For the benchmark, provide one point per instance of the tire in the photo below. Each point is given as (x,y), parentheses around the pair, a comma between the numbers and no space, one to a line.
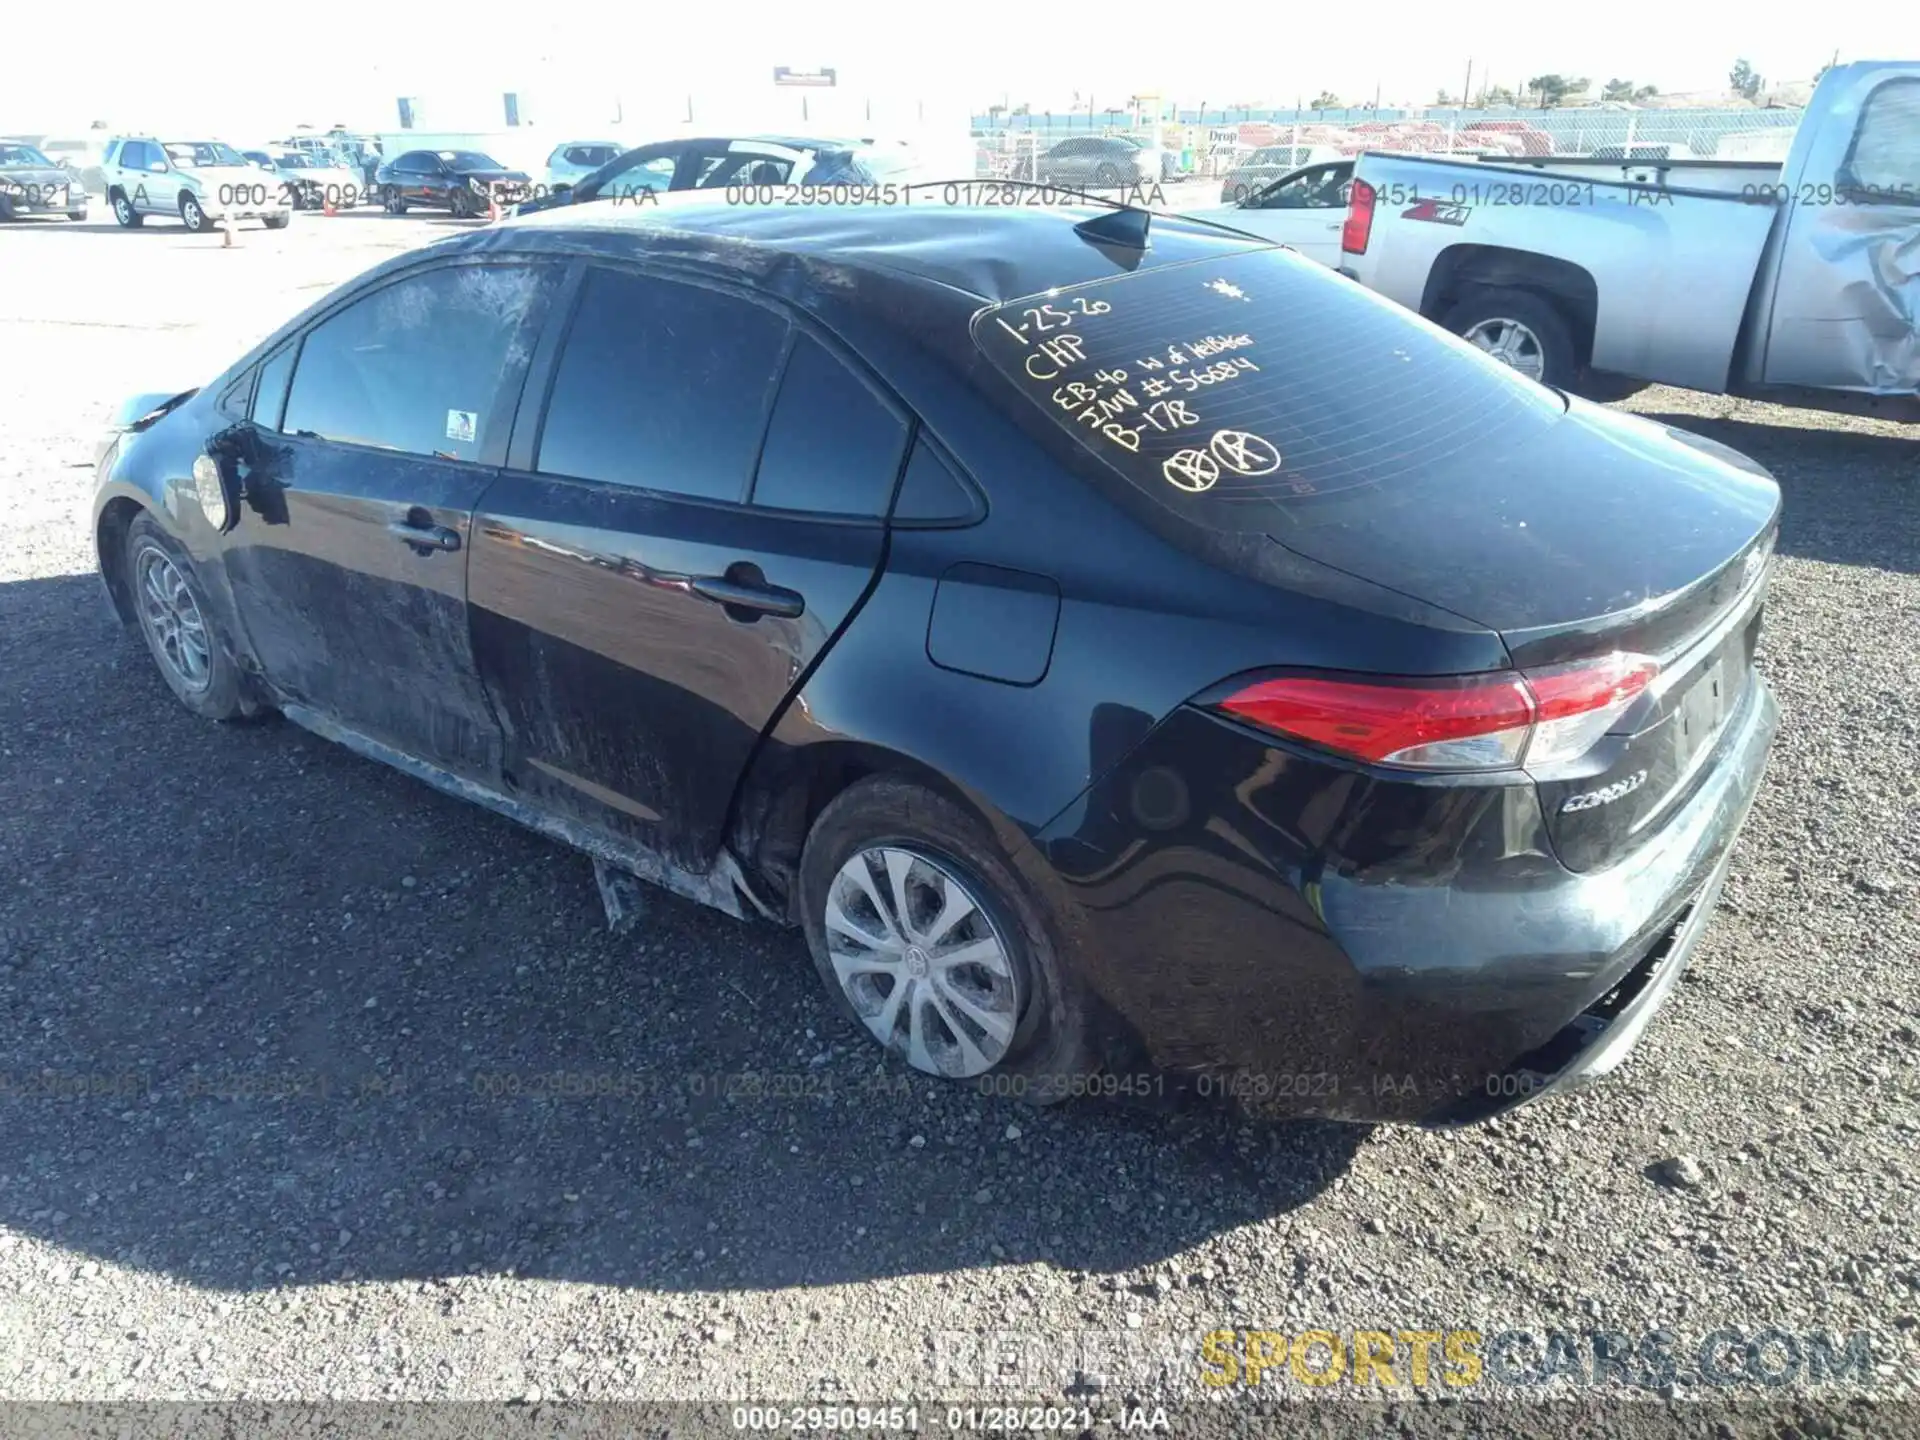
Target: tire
(212,690)
(460,204)
(77,216)
(276,222)
(193,215)
(1039,1038)
(394,204)
(1106,176)
(1543,342)
(124,214)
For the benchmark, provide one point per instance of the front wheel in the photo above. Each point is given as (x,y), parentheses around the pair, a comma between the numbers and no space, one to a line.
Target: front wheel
(177,624)
(1521,331)
(124,213)
(276,222)
(394,204)
(1106,177)
(77,215)
(929,940)
(193,215)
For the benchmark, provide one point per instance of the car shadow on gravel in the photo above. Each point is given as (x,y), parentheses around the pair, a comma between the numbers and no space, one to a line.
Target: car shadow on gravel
(273,1015)
(1851,497)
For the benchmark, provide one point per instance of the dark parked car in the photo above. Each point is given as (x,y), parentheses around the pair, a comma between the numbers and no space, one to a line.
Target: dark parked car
(1087,646)
(464,182)
(1100,160)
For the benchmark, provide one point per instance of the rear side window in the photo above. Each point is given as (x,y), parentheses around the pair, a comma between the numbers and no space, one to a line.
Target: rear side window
(833,446)
(930,493)
(1248,393)
(662,385)
(270,395)
(421,365)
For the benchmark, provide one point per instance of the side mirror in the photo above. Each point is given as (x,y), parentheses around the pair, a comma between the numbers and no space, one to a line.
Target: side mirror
(156,167)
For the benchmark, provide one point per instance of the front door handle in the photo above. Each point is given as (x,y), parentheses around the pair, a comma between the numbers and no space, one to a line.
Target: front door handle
(748,593)
(425,536)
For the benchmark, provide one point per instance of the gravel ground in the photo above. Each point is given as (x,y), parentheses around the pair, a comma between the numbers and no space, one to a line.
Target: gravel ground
(279,1029)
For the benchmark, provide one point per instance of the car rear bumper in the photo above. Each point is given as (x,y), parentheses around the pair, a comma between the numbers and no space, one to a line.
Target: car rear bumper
(1321,940)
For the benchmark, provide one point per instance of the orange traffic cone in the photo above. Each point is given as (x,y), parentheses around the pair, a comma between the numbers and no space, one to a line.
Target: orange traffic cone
(493,206)
(326,203)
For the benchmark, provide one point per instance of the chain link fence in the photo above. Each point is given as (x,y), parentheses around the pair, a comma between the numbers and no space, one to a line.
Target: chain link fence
(1208,143)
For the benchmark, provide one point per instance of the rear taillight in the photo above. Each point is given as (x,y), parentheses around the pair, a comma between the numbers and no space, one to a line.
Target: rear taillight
(1359,227)
(1481,722)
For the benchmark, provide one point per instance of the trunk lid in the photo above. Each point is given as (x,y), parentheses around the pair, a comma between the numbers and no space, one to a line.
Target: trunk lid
(1593,530)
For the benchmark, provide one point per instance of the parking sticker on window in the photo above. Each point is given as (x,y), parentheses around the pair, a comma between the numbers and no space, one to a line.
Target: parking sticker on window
(462,425)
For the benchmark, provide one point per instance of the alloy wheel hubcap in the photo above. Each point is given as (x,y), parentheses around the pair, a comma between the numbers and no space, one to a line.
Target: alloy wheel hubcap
(1512,344)
(921,964)
(173,620)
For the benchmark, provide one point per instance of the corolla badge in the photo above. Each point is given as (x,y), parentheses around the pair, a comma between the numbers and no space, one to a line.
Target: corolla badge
(1605,795)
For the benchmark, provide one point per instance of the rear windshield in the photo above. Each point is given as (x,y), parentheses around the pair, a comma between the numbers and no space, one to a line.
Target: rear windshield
(1257,392)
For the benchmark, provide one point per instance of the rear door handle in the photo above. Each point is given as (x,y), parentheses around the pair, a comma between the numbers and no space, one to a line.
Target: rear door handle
(756,597)
(427,537)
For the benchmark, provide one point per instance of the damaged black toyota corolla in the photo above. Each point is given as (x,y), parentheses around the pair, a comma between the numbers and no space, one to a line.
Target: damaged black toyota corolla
(1086,634)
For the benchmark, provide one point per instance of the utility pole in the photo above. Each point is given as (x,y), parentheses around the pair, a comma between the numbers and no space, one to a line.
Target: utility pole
(1466,91)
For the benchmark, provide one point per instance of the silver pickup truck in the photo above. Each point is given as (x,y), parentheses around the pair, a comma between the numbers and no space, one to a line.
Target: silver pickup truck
(1797,281)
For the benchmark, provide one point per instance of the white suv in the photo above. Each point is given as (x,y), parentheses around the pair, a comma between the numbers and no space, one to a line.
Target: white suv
(201,182)
(574,161)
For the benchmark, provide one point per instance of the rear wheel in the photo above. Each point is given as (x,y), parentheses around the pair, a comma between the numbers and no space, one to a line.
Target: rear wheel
(177,624)
(276,222)
(1520,330)
(930,942)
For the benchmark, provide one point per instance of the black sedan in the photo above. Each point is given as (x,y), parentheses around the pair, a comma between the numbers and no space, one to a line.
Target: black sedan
(1121,652)
(464,182)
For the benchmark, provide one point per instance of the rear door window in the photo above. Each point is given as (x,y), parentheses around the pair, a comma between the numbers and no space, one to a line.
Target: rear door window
(663,385)
(421,365)
(270,395)
(1248,393)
